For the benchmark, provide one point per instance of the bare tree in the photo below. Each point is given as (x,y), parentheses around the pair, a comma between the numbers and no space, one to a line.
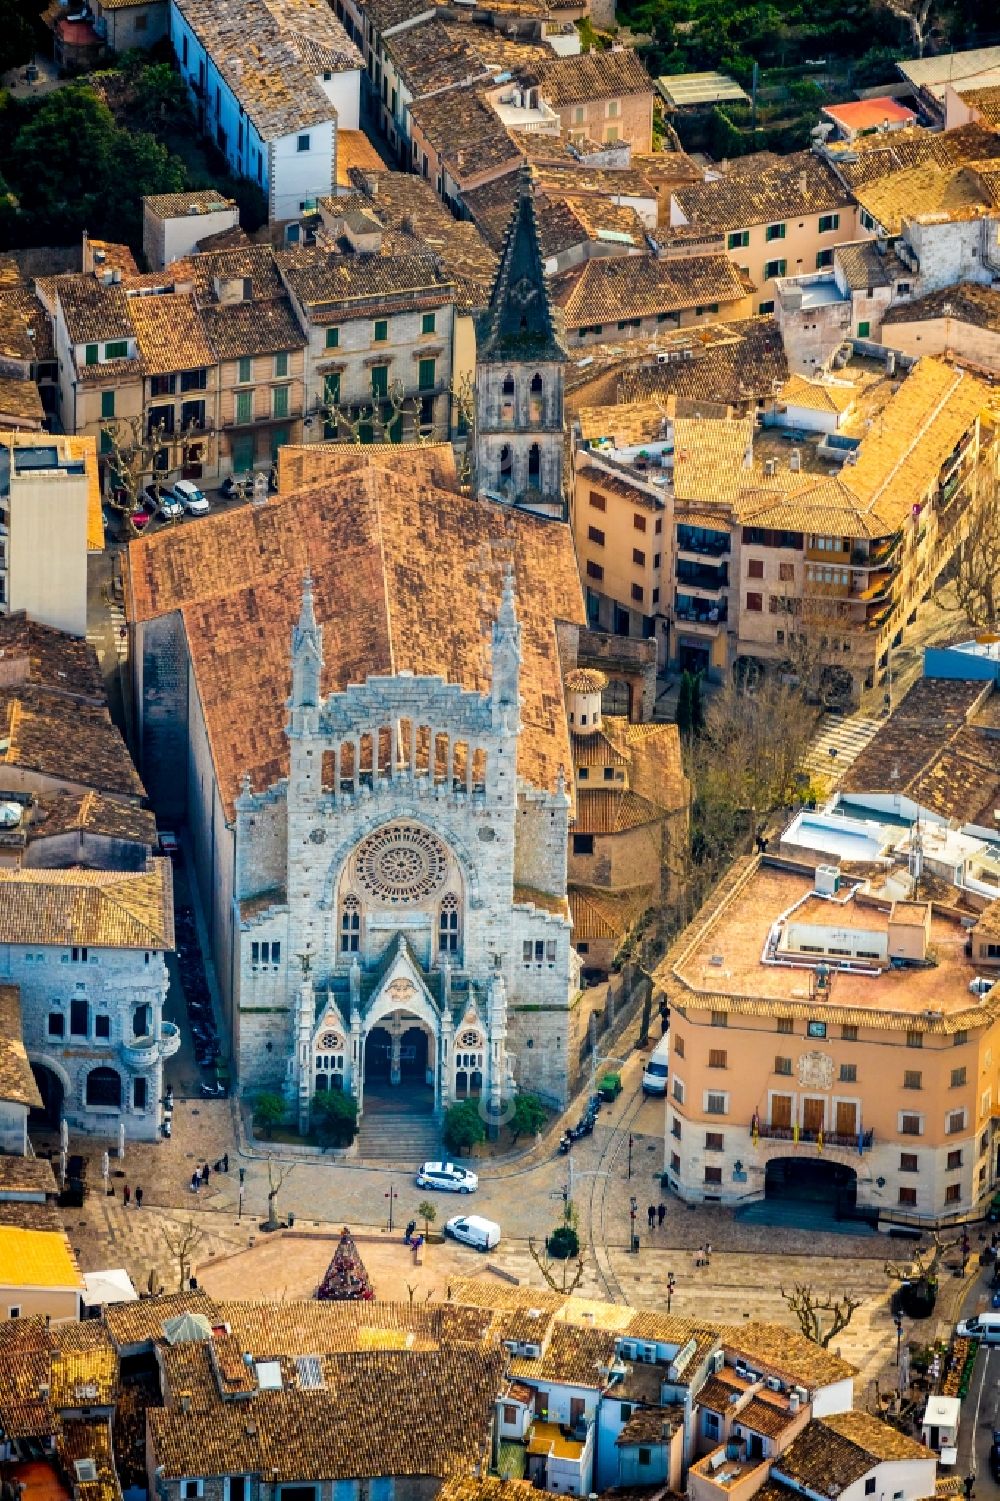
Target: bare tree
(809,1308)
(133,451)
(182,1241)
(916,14)
(978,579)
(395,417)
(558,1285)
(276,1177)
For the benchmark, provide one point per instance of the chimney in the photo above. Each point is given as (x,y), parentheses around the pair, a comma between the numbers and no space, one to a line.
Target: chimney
(795,460)
(803,183)
(185,1401)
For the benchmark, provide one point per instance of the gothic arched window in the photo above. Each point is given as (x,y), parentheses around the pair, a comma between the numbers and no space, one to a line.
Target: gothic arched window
(448,926)
(507,399)
(506,462)
(536,406)
(534,464)
(350,925)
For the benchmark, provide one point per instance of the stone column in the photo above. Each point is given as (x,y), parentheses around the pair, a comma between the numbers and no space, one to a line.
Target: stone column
(442,1082)
(414,731)
(306,1010)
(469,758)
(450,763)
(395,1071)
(393,748)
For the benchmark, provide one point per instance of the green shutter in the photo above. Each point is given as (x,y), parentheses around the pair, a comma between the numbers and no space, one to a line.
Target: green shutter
(91,355)
(331,390)
(863,330)
(381,331)
(332,338)
(281,364)
(245,373)
(427,323)
(243,453)
(281,401)
(244,406)
(428,373)
(380,381)
(107,403)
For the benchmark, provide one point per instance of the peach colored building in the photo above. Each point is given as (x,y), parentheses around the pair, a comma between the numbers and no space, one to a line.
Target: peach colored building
(782,216)
(824,1039)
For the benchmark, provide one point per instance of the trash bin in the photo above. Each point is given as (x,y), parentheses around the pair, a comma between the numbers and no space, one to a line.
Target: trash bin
(635,1243)
(291,1220)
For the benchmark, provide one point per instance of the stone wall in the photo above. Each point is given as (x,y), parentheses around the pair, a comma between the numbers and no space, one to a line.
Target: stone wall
(113,982)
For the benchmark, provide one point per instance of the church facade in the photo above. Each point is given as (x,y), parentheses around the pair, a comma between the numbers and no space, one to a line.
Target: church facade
(396,950)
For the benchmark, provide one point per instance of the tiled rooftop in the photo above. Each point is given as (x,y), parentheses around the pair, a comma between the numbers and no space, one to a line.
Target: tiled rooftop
(271,53)
(17,1082)
(765,191)
(605,291)
(363,540)
(91,908)
(967,302)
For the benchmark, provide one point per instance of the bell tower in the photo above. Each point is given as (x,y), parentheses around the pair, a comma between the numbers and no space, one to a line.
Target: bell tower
(520,363)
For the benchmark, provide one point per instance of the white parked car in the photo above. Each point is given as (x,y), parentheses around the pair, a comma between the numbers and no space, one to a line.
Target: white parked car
(481,1234)
(447,1176)
(191,498)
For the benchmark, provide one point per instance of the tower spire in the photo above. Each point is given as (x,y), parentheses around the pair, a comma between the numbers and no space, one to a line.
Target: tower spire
(520,322)
(307,652)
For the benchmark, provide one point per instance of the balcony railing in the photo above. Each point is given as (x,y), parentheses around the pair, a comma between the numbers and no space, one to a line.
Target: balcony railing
(854,1141)
(711,547)
(696,577)
(717,615)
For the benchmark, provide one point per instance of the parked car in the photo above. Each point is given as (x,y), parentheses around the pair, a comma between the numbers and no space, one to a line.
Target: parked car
(995,1458)
(654,1075)
(982,985)
(192,499)
(471,1230)
(985,1328)
(141,516)
(228,488)
(447,1176)
(168,504)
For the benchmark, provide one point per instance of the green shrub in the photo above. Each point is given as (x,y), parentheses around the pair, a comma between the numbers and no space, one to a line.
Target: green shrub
(564,1243)
(335,1116)
(463,1126)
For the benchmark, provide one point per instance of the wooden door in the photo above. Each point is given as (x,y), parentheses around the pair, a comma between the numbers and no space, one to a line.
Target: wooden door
(781,1111)
(812,1115)
(847,1118)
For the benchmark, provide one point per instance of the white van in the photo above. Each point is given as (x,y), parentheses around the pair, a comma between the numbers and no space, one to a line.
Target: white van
(474,1231)
(985,1327)
(654,1075)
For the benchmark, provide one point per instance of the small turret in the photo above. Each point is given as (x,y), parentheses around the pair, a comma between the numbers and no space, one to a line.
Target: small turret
(584,686)
(506,661)
(307,653)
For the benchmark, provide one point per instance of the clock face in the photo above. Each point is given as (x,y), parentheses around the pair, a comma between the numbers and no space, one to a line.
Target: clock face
(524,291)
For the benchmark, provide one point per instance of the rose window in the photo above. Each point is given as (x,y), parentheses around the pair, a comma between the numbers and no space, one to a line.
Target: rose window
(402,864)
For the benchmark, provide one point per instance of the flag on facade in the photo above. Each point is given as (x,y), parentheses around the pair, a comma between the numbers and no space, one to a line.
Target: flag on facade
(861,1143)
(795,1131)
(819,1140)
(756,1129)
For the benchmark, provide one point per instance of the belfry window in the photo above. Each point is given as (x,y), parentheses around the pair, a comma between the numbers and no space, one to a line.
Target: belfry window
(448,926)
(350,926)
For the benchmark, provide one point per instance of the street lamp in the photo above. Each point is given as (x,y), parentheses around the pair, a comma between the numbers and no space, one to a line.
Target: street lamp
(630,1156)
(392,1196)
(899,1334)
(671,1284)
(243,1175)
(633,1210)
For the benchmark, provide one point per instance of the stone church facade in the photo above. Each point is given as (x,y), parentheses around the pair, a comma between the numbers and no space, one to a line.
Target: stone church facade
(394,948)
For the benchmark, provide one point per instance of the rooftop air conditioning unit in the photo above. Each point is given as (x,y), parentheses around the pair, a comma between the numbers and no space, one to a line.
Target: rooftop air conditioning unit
(774,1384)
(718,1360)
(795,460)
(828,879)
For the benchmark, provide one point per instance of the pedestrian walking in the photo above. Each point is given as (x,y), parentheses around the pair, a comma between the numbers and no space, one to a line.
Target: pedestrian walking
(205,1172)
(127,1195)
(699,1260)
(195,1180)
(225,1162)
(661,1214)
(138,1197)
(708,1254)
(651,1215)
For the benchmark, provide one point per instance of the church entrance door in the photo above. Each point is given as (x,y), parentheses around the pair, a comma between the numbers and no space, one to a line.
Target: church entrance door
(399,1067)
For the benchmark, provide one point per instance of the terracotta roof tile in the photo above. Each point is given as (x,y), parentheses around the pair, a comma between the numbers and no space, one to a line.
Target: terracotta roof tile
(17,1082)
(786,1352)
(171,334)
(595,75)
(607,290)
(967,302)
(90,908)
(764,191)
(366,542)
(20,402)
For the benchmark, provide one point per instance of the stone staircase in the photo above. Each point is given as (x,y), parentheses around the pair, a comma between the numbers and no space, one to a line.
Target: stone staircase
(387,1136)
